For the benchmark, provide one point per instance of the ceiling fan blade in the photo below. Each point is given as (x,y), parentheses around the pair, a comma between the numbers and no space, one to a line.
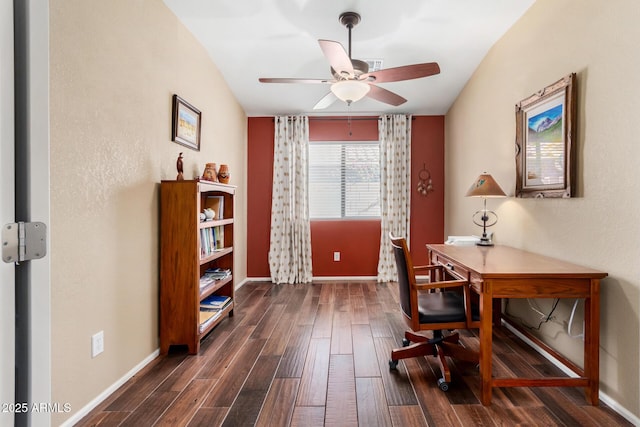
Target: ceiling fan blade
(337,57)
(326,101)
(385,96)
(407,72)
(287,80)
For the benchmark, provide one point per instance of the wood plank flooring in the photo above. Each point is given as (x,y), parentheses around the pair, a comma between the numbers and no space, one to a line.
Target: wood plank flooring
(317,354)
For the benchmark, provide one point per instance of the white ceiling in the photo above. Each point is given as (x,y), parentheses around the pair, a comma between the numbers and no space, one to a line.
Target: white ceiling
(279,38)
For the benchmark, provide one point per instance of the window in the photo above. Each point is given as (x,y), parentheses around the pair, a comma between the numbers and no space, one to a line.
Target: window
(344,179)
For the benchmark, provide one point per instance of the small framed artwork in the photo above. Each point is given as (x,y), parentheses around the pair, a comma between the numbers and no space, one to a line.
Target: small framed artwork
(185,128)
(545,141)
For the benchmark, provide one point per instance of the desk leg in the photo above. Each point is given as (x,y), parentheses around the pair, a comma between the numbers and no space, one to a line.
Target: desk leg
(497,313)
(486,342)
(592,342)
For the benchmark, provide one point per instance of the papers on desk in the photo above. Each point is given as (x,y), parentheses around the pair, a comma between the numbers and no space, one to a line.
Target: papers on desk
(462,240)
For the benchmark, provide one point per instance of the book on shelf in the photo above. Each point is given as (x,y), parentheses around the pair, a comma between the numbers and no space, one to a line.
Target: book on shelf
(207,317)
(217,204)
(217,273)
(212,275)
(214,302)
(211,240)
(220,237)
(206,281)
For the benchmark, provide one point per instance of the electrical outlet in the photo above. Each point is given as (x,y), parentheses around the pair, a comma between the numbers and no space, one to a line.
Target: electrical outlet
(336,256)
(97,344)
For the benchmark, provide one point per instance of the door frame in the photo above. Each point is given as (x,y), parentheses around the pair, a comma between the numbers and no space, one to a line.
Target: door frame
(33,278)
(7,210)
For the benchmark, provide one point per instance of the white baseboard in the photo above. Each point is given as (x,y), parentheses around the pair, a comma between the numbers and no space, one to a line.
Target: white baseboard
(318,279)
(344,278)
(256,279)
(112,388)
(613,404)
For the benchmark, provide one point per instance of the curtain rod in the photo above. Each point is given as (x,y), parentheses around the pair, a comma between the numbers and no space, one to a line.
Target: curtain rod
(340,119)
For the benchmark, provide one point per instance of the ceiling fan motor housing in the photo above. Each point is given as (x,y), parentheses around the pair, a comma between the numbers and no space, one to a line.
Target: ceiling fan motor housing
(359,68)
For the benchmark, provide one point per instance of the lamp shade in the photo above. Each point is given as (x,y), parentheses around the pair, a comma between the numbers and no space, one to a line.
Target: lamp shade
(485,186)
(350,90)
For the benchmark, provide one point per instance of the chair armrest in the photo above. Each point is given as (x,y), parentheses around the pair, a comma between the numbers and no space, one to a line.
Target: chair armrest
(427,267)
(436,272)
(443,284)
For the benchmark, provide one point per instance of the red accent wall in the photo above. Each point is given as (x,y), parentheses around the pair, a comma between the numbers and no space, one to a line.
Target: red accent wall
(427,212)
(357,241)
(259,182)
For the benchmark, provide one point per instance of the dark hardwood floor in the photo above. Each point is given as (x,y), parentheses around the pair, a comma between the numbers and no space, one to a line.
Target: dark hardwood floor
(313,355)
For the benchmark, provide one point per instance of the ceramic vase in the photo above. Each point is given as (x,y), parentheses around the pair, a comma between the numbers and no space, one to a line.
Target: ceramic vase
(223,174)
(210,173)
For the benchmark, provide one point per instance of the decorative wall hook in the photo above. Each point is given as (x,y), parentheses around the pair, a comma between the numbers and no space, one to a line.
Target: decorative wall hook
(425,185)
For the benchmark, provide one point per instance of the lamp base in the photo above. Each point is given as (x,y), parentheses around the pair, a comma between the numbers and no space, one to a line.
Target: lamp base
(484,241)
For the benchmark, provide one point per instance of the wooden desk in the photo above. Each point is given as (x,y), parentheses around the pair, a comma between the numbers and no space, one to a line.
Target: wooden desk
(502,272)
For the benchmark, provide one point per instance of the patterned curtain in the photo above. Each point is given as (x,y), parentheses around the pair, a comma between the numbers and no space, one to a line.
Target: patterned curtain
(395,187)
(290,245)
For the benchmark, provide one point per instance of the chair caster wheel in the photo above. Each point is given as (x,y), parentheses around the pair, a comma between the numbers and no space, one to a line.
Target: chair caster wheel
(443,385)
(393,365)
(405,342)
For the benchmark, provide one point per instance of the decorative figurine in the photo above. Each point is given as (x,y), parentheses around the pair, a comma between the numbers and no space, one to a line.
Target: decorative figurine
(209,214)
(180,177)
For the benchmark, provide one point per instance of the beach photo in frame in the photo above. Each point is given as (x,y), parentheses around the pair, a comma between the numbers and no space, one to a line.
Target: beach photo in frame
(545,133)
(185,128)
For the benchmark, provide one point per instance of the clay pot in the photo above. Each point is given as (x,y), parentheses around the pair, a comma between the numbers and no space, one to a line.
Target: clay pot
(210,173)
(223,174)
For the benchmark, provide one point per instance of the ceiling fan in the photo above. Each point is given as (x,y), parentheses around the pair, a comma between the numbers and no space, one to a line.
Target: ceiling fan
(352,80)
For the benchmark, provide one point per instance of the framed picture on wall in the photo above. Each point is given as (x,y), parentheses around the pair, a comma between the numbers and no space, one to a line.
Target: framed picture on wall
(185,128)
(545,147)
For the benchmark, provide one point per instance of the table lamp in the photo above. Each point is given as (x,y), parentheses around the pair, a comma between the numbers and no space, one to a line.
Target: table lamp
(485,186)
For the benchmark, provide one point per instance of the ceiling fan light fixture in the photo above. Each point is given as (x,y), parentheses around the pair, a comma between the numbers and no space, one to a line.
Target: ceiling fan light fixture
(350,90)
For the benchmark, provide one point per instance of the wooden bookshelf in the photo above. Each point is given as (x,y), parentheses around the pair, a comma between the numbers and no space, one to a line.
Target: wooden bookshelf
(189,248)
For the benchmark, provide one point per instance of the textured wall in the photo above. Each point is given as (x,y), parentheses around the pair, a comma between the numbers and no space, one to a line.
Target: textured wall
(114,68)
(599,227)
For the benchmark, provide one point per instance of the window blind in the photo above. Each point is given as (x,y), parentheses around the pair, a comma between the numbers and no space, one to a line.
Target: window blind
(344,179)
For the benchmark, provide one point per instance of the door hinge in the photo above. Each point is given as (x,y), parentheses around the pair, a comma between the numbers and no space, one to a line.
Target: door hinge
(24,241)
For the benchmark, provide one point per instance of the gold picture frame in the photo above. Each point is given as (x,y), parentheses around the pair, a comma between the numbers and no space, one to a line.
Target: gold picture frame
(545,146)
(185,126)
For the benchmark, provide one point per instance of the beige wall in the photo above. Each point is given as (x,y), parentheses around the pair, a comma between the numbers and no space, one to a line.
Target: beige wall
(599,228)
(114,68)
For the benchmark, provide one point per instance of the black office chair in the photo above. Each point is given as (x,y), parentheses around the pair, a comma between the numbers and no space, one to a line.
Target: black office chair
(440,305)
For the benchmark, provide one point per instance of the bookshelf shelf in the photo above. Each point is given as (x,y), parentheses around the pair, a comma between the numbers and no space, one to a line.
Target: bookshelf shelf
(210,289)
(215,255)
(191,253)
(215,223)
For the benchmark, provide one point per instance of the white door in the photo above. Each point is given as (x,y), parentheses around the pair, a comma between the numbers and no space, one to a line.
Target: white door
(7,209)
